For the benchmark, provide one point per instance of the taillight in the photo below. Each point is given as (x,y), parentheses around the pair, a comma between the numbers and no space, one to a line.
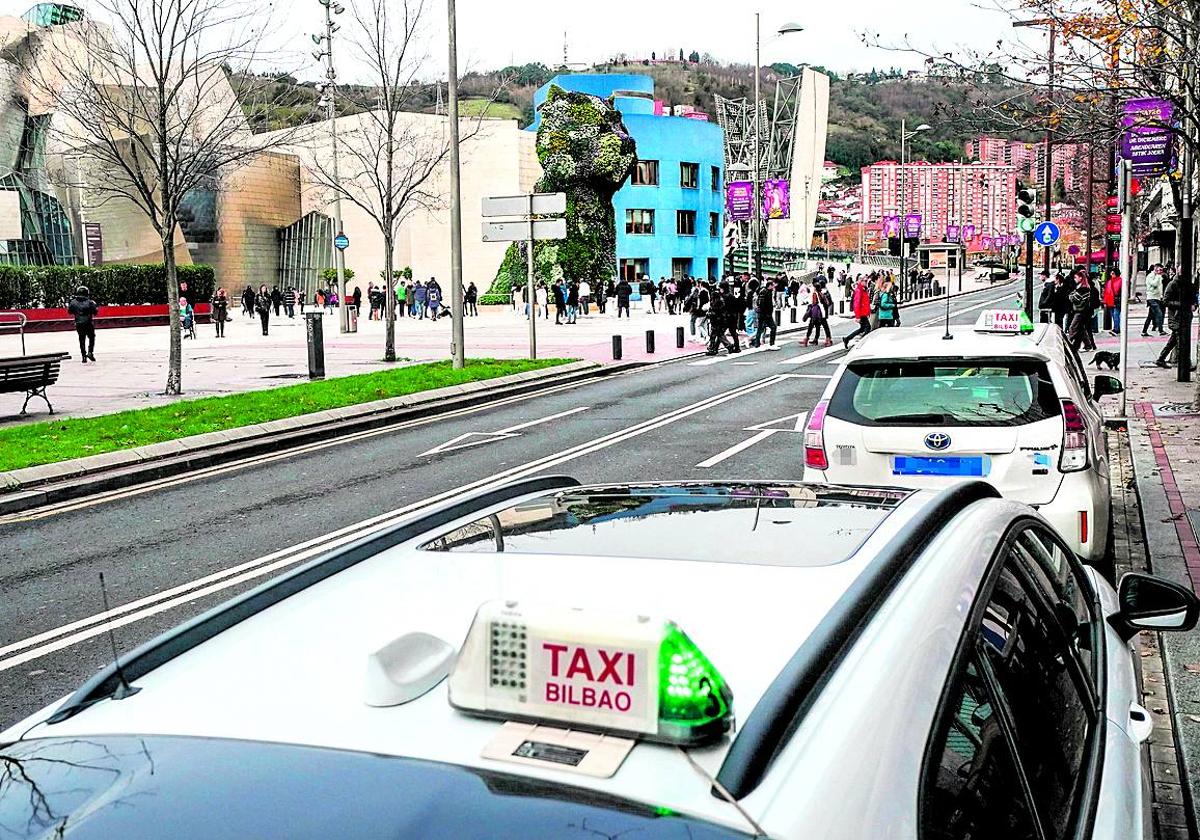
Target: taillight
(814,438)
(1074,448)
(1083,527)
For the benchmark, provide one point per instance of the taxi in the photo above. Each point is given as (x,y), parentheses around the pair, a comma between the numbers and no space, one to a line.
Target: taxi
(1004,401)
(701,661)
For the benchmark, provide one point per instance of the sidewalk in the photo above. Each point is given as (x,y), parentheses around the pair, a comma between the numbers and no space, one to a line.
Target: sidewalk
(1164,449)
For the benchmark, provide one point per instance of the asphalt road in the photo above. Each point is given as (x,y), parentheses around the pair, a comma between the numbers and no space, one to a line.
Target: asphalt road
(688,419)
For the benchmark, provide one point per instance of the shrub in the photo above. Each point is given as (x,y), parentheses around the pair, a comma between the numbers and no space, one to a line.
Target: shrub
(493,300)
(32,287)
(329,275)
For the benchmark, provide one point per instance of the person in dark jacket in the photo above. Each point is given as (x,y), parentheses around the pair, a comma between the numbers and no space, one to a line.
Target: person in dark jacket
(276,299)
(357,298)
(1063,286)
(1082,306)
(572,302)
(560,301)
(289,301)
(83,309)
(262,305)
(764,313)
(220,311)
(248,302)
(1173,301)
(722,321)
(624,293)
(471,299)
(1046,298)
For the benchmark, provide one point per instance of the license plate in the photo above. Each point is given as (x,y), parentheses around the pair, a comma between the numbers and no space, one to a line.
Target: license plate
(968,467)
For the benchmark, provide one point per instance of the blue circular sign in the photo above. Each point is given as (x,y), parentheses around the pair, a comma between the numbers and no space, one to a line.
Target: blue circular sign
(341,242)
(1046,234)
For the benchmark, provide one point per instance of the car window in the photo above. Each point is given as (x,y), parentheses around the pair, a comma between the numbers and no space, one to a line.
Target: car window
(953,392)
(1038,685)
(972,788)
(1075,366)
(1060,580)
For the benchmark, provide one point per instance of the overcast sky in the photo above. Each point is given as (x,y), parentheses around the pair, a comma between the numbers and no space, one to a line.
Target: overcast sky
(494,33)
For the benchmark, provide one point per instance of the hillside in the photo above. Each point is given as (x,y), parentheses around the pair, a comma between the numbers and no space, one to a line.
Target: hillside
(865,110)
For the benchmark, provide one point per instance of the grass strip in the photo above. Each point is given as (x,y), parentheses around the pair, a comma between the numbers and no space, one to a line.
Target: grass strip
(60,440)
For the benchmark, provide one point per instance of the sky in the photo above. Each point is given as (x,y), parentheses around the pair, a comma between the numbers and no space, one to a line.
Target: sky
(495,33)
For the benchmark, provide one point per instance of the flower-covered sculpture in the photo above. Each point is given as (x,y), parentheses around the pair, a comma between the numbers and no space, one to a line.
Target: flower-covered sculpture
(587,153)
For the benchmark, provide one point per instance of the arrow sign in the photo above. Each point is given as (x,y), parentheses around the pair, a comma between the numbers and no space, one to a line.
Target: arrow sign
(792,423)
(1046,234)
(469,439)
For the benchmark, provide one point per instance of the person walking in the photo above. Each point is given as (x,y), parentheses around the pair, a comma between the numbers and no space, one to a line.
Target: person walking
(1174,302)
(860,303)
(1112,301)
(764,315)
(1154,300)
(543,299)
(276,299)
(698,301)
(356,301)
(420,295)
(433,299)
(1046,299)
(722,324)
(471,299)
(248,302)
(289,301)
(572,302)
(401,299)
(817,315)
(624,293)
(1063,286)
(220,311)
(652,291)
(83,309)
(262,305)
(886,305)
(1082,305)
(585,295)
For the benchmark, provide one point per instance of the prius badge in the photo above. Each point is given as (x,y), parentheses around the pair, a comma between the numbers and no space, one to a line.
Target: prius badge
(937,441)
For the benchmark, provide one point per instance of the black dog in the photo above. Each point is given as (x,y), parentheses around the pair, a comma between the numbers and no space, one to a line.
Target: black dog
(1106,357)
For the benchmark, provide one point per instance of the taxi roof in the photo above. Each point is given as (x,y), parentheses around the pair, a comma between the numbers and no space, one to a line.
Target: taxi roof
(930,342)
(294,672)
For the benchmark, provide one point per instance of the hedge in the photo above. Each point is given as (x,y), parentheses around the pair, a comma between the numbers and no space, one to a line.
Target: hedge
(49,286)
(493,299)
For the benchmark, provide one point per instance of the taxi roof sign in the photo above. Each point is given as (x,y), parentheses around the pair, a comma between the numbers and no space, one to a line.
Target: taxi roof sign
(1004,321)
(609,672)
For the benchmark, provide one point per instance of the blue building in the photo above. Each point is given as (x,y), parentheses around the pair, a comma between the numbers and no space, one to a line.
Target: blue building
(670,215)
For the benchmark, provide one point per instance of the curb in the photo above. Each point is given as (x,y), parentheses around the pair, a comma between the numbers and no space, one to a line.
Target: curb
(62,481)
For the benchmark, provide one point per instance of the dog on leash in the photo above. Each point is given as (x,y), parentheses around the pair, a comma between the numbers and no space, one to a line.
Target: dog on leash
(1107,358)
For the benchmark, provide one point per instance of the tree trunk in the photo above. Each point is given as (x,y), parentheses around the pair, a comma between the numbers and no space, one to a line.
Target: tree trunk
(389,346)
(175,362)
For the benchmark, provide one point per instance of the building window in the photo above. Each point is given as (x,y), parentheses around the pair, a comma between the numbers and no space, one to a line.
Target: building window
(716,178)
(639,221)
(685,222)
(634,270)
(714,224)
(646,174)
(681,267)
(689,175)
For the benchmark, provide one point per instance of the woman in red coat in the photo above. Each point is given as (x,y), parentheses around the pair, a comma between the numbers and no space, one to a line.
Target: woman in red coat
(861,303)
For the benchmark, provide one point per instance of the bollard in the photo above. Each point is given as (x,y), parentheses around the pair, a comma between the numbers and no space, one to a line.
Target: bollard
(649,341)
(795,314)
(316,345)
(679,337)
(616,348)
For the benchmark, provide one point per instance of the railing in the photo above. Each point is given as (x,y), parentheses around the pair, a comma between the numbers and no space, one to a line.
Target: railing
(14,322)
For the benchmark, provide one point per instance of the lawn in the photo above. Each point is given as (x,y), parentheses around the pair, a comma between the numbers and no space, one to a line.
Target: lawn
(492,110)
(61,440)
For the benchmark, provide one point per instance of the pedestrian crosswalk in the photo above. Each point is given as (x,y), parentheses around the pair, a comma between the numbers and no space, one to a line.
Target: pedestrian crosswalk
(716,360)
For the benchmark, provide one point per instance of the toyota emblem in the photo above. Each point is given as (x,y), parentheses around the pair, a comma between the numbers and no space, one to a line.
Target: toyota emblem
(937,441)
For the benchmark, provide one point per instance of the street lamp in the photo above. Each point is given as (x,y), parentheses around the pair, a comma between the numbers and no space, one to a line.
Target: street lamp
(328,89)
(458,338)
(786,29)
(905,136)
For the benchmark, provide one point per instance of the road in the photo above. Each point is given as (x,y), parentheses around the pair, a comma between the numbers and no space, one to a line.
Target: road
(170,551)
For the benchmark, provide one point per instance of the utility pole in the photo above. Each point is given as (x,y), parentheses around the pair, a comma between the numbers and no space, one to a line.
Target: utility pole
(339,256)
(1187,258)
(756,255)
(1127,264)
(1049,174)
(457,348)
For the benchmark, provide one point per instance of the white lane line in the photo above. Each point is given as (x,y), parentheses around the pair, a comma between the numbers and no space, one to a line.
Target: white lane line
(469,439)
(736,448)
(792,422)
(186,593)
(744,364)
(533,423)
(716,360)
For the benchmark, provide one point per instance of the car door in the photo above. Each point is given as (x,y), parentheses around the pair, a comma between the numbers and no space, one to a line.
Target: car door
(1022,746)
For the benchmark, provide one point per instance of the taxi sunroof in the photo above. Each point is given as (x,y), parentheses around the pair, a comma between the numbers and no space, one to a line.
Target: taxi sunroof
(754,524)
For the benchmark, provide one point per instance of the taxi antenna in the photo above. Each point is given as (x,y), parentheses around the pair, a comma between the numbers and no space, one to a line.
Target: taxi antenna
(124,689)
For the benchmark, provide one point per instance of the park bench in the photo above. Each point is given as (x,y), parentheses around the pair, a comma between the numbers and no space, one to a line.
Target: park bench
(30,375)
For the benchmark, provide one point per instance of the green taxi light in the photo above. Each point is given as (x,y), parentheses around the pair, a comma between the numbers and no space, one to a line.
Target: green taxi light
(691,692)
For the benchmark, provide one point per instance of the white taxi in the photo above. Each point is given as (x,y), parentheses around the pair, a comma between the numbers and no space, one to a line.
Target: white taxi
(1004,401)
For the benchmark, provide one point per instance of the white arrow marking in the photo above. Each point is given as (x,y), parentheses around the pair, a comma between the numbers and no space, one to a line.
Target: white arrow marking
(792,423)
(735,449)
(470,439)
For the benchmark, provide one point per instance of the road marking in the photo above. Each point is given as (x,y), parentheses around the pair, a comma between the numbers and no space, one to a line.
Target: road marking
(736,448)
(744,364)
(791,423)
(81,630)
(716,360)
(470,439)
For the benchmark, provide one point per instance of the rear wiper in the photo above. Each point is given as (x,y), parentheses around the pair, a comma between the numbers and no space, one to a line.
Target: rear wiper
(930,419)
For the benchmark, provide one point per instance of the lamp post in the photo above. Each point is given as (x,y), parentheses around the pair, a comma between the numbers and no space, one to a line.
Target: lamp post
(327,90)
(457,350)
(905,136)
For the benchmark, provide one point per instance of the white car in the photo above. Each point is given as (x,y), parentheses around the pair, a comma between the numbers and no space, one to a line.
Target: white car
(703,661)
(910,408)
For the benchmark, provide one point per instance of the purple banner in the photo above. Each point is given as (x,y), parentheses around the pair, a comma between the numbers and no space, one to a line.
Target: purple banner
(1148,143)
(776,199)
(912,225)
(968,232)
(891,227)
(739,201)
(952,233)
(985,241)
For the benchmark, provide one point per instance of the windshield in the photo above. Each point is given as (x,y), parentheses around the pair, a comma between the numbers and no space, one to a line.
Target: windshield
(945,392)
(217,789)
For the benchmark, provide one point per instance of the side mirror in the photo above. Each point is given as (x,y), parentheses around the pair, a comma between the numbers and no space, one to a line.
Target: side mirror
(1106,385)
(1151,603)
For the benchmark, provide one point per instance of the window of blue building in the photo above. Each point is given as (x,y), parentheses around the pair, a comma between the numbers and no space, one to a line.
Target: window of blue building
(716,179)
(681,267)
(714,224)
(689,175)
(639,221)
(633,270)
(646,174)
(685,222)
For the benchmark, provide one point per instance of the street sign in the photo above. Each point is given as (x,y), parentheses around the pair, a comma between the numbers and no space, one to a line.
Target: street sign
(544,204)
(1026,225)
(341,242)
(519,231)
(1047,234)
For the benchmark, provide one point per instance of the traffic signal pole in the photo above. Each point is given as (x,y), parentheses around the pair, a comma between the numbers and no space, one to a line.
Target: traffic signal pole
(1029,274)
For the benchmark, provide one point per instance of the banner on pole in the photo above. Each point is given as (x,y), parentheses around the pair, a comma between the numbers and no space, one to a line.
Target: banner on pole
(739,201)
(1148,142)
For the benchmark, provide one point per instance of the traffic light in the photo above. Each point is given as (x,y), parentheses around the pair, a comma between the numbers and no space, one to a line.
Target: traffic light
(1026,207)
(1113,218)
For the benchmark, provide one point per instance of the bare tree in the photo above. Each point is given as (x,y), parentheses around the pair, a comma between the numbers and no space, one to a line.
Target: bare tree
(390,155)
(142,98)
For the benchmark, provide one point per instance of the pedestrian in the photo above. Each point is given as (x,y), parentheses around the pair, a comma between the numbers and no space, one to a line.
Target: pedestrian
(433,299)
(560,302)
(860,303)
(764,315)
(572,302)
(1063,286)
(652,291)
(187,319)
(83,309)
(262,305)
(289,301)
(276,299)
(1046,298)
(624,293)
(886,305)
(543,299)
(248,302)
(817,315)
(722,321)
(1080,331)
(1112,301)
(471,299)
(356,300)
(401,298)
(585,295)
(1174,302)
(420,296)
(1154,300)
(220,311)
(672,296)
(697,307)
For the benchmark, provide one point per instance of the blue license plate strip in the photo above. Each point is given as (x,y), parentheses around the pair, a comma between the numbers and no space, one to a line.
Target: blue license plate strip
(969,467)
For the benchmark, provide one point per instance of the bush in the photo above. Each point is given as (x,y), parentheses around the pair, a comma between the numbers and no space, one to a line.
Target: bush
(329,275)
(33,287)
(493,300)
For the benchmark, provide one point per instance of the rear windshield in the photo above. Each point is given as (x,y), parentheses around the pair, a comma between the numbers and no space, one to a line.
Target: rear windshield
(945,392)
